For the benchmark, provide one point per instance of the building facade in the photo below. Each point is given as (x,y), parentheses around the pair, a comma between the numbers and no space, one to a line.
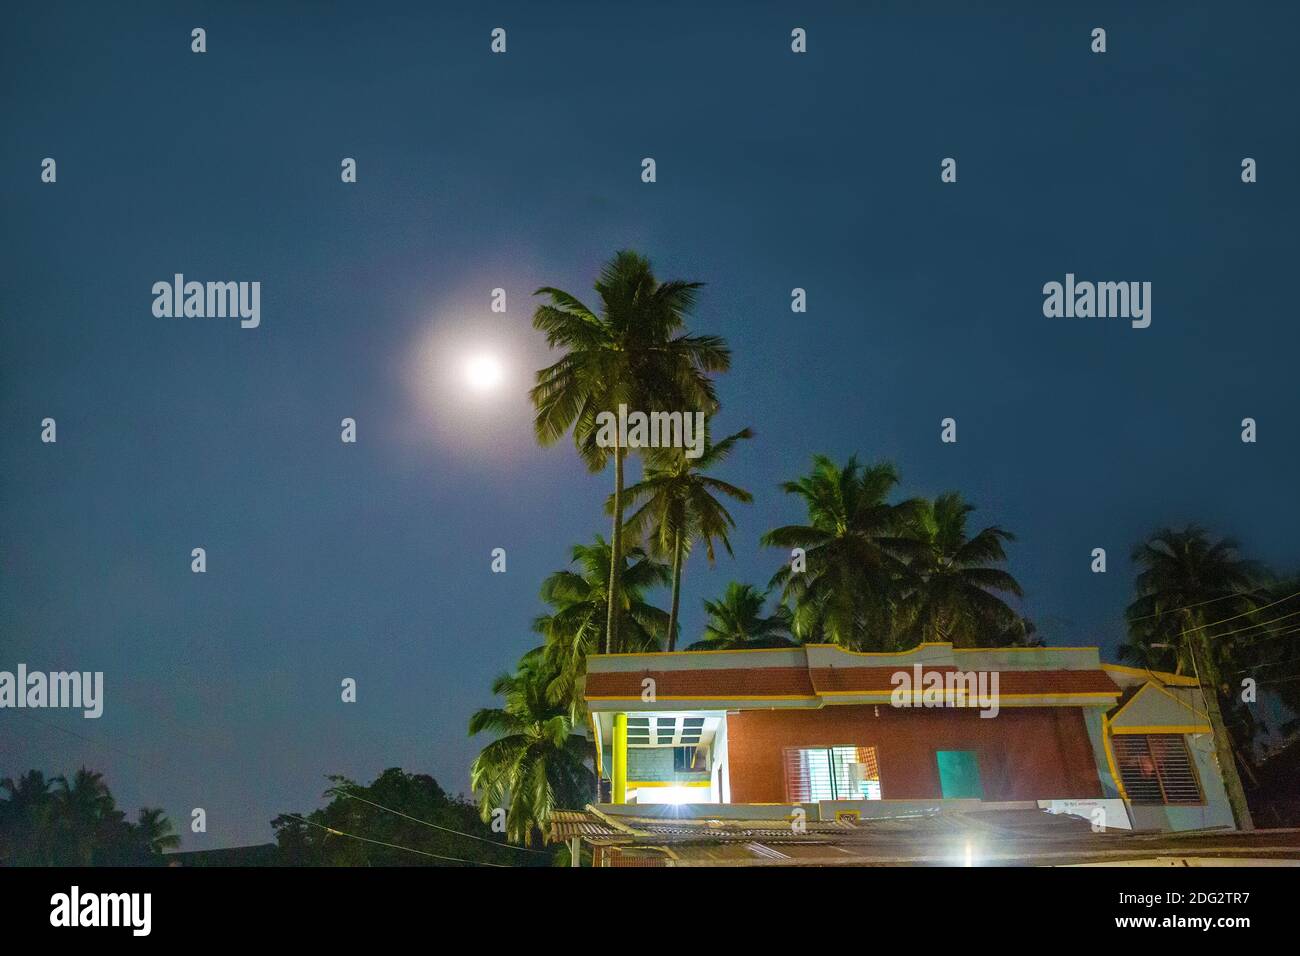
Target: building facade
(752,734)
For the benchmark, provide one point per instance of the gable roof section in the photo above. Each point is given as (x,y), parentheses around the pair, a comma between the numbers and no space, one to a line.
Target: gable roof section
(1161,710)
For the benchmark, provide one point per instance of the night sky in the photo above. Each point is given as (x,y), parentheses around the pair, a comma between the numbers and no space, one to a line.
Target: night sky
(477,171)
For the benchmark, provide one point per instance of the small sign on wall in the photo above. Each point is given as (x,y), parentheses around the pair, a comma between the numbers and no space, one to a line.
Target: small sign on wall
(1102,814)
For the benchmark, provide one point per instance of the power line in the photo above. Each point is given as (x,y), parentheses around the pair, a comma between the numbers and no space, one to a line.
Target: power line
(1294,630)
(1249,627)
(1285,680)
(339,790)
(394,846)
(344,793)
(1254,610)
(1188,607)
(90,740)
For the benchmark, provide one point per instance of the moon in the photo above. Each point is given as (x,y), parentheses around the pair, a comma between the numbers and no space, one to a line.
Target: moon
(483,372)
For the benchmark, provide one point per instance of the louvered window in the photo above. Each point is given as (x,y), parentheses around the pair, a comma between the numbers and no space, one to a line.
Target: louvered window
(831,773)
(1157,768)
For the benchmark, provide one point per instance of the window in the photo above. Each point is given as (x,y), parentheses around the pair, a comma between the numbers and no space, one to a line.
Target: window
(959,774)
(689,760)
(831,773)
(1157,768)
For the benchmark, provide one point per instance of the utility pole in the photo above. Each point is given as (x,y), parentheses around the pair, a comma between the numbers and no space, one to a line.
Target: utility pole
(1222,742)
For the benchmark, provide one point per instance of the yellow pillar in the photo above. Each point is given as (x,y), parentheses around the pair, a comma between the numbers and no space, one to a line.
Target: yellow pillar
(620,758)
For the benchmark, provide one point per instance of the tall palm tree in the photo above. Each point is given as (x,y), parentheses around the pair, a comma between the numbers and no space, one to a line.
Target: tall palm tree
(537,764)
(950,581)
(678,507)
(736,622)
(1191,593)
(27,821)
(633,353)
(87,814)
(579,600)
(155,832)
(852,540)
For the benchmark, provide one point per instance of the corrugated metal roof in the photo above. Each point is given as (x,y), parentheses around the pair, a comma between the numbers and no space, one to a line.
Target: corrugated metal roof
(993,836)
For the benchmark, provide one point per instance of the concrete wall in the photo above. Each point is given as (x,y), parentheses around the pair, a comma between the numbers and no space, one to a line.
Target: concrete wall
(650,764)
(1040,753)
(1092,719)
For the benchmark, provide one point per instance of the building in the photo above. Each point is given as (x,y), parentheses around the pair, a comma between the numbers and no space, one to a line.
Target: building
(828,737)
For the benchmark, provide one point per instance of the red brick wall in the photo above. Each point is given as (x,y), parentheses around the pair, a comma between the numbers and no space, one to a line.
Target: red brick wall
(1025,753)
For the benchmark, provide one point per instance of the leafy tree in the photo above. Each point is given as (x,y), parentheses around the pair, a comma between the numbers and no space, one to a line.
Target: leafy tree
(736,622)
(61,822)
(950,582)
(848,592)
(538,763)
(399,819)
(1270,652)
(1193,595)
(575,625)
(634,352)
(156,831)
(678,507)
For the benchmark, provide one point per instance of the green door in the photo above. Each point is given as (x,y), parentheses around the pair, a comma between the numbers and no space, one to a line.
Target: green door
(959,774)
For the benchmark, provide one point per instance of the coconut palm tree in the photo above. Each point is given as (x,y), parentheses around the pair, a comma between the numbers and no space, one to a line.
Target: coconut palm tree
(579,599)
(87,815)
(678,507)
(634,353)
(155,832)
(537,764)
(1192,594)
(28,834)
(736,622)
(847,585)
(951,585)
(1185,583)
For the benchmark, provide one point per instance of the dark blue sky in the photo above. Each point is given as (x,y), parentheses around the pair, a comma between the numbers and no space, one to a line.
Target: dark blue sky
(477,171)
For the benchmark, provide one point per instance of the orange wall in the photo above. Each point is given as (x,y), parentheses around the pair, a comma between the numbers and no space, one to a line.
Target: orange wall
(1029,753)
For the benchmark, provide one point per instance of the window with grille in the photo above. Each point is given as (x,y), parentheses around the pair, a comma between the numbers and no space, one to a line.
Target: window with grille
(1157,768)
(831,773)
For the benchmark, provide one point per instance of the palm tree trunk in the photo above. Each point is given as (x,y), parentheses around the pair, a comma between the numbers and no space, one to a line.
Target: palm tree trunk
(677,591)
(616,551)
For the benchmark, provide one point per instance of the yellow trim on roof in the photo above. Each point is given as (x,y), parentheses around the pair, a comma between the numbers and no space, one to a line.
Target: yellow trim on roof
(738,650)
(1110,757)
(659,697)
(1177,680)
(842,693)
(910,650)
(955,650)
(668,783)
(909,693)
(989,650)
(1169,729)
